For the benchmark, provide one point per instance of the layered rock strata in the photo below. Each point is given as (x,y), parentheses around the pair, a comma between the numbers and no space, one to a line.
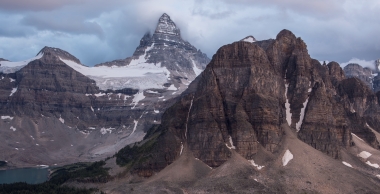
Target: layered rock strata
(247,92)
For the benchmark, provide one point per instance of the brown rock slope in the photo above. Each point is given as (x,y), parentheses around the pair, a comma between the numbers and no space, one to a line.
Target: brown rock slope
(240,103)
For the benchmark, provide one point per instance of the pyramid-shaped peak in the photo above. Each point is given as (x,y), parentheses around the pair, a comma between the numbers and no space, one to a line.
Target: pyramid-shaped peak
(167,26)
(57,52)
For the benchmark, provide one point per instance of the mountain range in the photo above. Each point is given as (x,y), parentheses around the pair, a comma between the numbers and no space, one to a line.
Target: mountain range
(260,116)
(56,110)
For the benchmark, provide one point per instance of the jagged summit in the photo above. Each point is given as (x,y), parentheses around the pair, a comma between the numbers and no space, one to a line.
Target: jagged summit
(249,38)
(51,51)
(167,26)
(165,48)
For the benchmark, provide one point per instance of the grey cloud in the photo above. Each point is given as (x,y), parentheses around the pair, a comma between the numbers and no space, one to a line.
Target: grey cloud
(320,8)
(69,25)
(39,5)
(333,30)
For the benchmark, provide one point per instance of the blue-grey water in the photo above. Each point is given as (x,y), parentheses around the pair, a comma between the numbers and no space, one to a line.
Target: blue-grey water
(28,175)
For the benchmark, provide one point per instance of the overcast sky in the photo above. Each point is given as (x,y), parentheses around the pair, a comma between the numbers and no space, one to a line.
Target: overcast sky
(96,31)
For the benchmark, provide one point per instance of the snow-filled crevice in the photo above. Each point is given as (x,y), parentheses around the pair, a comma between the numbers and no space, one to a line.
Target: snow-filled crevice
(134,127)
(231,144)
(180,153)
(14,90)
(287,106)
(302,115)
(188,115)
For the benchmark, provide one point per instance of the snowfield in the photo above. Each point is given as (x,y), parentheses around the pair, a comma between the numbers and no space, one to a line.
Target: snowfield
(11,67)
(139,75)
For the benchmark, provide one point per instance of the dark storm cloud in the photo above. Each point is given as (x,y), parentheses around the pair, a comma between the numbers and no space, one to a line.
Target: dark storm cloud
(40,5)
(97,31)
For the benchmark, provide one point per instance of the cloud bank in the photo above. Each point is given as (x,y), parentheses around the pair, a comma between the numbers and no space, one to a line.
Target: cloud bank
(96,31)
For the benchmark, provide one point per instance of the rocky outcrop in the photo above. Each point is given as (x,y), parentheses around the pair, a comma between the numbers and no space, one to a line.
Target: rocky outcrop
(246,93)
(364,74)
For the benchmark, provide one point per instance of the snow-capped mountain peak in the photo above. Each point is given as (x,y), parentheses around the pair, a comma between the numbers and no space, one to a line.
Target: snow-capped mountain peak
(167,26)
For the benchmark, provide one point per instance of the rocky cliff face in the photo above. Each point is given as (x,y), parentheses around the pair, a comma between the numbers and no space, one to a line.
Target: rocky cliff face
(247,92)
(364,74)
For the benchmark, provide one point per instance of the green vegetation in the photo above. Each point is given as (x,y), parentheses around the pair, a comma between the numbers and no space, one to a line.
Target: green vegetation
(80,172)
(138,153)
(135,155)
(43,188)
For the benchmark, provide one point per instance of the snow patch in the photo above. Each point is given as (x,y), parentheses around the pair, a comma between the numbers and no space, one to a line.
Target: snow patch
(92,109)
(373,165)
(12,128)
(12,80)
(137,98)
(256,165)
(347,164)
(196,70)
(364,154)
(287,157)
(249,39)
(62,120)
(156,111)
(104,130)
(172,87)
(100,94)
(231,143)
(357,137)
(6,117)
(378,176)
(13,91)
(287,106)
(151,92)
